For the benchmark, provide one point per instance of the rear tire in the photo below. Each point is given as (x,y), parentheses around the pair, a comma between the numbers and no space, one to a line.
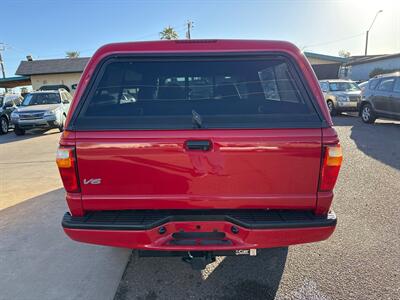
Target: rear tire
(367,114)
(19,131)
(3,125)
(331,108)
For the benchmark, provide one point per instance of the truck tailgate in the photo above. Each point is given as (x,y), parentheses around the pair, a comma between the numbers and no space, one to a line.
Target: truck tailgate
(268,168)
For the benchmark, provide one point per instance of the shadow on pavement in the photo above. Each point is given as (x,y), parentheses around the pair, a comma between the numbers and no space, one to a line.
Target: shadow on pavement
(38,261)
(34,133)
(380,140)
(231,277)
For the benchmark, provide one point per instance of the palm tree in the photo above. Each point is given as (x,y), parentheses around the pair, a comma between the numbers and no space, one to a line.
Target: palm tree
(72,54)
(168,33)
(344,53)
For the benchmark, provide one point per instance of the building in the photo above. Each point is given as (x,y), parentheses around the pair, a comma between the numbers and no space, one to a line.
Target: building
(64,72)
(359,68)
(325,66)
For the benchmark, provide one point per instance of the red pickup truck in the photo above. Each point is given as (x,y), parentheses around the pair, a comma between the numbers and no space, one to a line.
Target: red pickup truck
(197,148)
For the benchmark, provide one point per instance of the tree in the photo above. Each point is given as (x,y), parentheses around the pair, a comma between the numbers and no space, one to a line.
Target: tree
(72,54)
(169,33)
(380,71)
(344,53)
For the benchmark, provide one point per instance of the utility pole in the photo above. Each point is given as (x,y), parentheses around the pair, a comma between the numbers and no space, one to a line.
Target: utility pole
(189,27)
(2,48)
(366,38)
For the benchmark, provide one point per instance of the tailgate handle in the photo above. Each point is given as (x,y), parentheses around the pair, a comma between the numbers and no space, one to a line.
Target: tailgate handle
(198,145)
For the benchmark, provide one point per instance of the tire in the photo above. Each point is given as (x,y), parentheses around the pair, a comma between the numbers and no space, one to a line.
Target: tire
(19,131)
(367,114)
(3,125)
(331,108)
(61,127)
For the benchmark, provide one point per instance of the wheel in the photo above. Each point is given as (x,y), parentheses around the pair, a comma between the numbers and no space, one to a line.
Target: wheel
(61,127)
(19,131)
(3,125)
(331,108)
(367,114)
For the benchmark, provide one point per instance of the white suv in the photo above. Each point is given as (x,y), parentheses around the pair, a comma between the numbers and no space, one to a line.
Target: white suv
(42,109)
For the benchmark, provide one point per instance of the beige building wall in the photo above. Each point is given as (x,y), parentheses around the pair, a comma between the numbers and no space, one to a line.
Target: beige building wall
(317,61)
(67,79)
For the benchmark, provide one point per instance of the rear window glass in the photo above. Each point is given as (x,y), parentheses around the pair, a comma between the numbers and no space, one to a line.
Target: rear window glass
(373,83)
(202,93)
(396,87)
(386,85)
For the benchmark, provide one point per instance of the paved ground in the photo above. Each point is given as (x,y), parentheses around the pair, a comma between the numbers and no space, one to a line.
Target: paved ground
(37,261)
(28,165)
(361,260)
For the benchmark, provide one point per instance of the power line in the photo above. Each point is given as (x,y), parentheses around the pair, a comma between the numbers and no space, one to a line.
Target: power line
(334,41)
(140,38)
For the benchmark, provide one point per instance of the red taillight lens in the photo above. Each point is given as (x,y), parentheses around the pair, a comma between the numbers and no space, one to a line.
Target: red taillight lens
(66,163)
(330,168)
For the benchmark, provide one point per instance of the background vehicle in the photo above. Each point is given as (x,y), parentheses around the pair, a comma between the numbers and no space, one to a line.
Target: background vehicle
(8,103)
(341,95)
(381,98)
(42,109)
(362,85)
(228,145)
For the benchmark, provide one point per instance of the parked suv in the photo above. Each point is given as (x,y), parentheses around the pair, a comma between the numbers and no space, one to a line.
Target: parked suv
(381,98)
(42,109)
(8,103)
(223,146)
(341,95)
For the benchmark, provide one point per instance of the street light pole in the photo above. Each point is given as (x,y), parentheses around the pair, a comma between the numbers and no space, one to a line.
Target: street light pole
(366,39)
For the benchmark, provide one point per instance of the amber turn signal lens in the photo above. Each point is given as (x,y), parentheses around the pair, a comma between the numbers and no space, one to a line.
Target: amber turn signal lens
(64,158)
(334,156)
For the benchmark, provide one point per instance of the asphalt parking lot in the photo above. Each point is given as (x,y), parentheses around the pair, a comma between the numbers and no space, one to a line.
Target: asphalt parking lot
(360,261)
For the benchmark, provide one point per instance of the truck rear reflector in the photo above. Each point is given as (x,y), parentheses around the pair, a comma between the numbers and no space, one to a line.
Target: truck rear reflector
(330,167)
(66,163)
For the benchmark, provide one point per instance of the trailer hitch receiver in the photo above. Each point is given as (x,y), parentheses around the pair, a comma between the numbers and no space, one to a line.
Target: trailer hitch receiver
(199,260)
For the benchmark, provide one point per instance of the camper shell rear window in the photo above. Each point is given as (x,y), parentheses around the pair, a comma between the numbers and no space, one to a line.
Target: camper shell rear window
(196,92)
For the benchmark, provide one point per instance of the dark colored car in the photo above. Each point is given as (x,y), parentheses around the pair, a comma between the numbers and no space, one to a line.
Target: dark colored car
(8,103)
(199,148)
(381,98)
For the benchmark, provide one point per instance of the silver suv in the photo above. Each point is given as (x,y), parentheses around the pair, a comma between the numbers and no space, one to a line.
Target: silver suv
(42,109)
(341,95)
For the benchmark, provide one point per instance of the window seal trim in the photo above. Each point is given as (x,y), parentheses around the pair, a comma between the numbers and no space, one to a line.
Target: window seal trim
(304,88)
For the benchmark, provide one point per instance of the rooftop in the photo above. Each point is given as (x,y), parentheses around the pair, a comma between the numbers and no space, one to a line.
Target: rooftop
(373,58)
(325,57)
(11,82)
(52,66)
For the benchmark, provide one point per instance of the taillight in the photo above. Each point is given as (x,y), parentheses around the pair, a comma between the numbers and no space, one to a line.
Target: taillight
(66,163)
(330,167)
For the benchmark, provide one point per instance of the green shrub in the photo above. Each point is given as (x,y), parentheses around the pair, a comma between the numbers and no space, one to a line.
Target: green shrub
(380,71)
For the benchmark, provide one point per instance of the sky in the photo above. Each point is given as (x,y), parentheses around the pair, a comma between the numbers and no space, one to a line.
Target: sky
(47,28)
